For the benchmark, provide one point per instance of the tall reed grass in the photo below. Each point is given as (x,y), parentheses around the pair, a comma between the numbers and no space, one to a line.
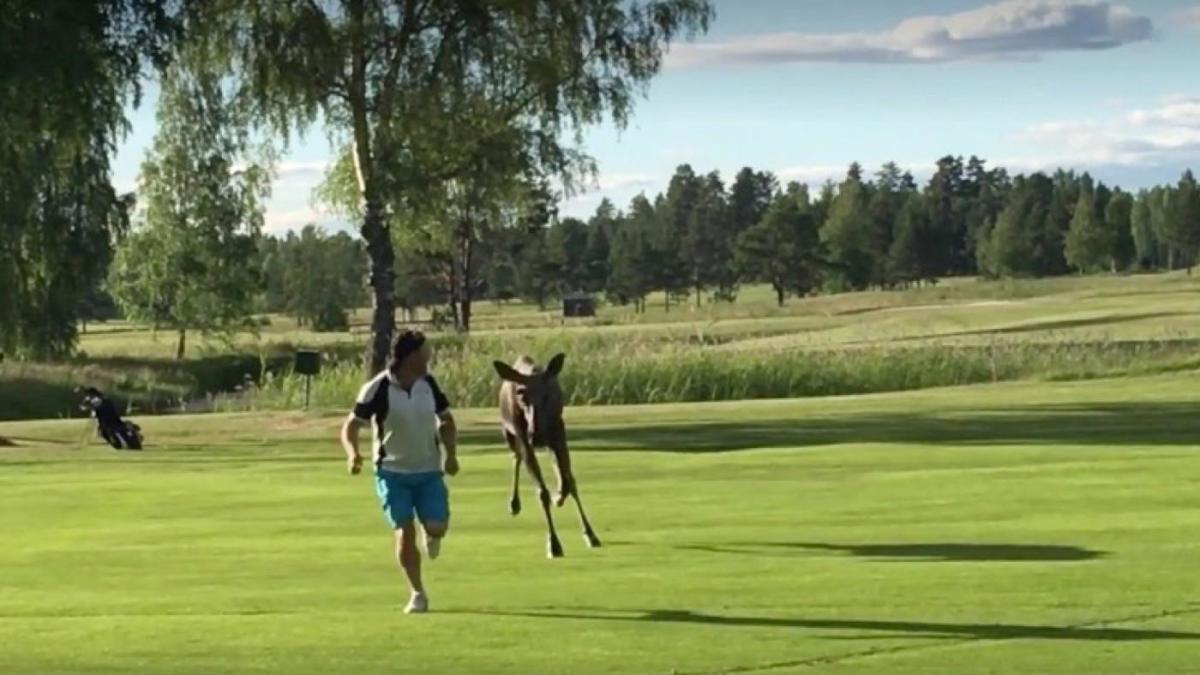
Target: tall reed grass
(636,369)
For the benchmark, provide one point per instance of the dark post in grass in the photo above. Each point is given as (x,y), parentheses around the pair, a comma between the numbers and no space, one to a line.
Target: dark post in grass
(308,363)
(531,409)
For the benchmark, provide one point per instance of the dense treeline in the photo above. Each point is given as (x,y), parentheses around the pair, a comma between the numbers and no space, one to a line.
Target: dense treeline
(701,239)
(315,277)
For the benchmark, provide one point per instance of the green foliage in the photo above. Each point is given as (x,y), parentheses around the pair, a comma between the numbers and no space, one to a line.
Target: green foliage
(640,370)
(631,270)
(194,265)
(677,235)
(314,276)
(1183,217)
(566,248)
(1088,244)
(600,230)
(849,236)
(750,195)
(1145,239)
(423,93)
(782,249)
(70,69)
(1118,220)
(947,224)
(909,260)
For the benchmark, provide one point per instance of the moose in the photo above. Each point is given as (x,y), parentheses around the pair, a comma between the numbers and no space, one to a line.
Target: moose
(531,416)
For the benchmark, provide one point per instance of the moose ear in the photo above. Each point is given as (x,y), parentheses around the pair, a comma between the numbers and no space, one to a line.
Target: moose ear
(555,365)
(507,372)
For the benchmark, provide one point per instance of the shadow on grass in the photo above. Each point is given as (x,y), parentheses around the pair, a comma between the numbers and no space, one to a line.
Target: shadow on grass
(1167,423)
(971,631)
(925,552)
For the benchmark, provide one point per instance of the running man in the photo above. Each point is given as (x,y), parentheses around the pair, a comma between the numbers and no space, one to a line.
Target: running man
(409,414)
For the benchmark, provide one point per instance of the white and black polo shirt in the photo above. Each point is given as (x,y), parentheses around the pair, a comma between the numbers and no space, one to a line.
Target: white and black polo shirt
(408,419)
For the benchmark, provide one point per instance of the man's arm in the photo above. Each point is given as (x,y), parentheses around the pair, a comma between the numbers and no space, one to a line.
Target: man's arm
(350,444)
(366,407)
(448,432)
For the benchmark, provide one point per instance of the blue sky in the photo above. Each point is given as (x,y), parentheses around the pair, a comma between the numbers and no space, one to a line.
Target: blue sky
(804,87)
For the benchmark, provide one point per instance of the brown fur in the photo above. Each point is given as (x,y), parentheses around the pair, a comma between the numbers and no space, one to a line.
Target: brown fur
(531,416)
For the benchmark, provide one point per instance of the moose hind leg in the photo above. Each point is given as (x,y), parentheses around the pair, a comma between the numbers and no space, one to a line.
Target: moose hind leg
(589,534)
(514,444)
(566,478)
(568,487)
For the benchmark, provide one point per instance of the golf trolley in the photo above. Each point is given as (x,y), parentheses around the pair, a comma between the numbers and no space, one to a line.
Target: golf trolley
(118,433)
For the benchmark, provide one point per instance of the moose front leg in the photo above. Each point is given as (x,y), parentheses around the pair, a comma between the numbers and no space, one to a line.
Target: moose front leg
(553,545)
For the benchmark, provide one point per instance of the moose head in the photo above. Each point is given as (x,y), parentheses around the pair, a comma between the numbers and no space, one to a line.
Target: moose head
(535,392)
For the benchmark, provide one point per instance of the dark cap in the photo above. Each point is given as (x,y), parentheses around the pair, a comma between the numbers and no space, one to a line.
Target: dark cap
(408,342)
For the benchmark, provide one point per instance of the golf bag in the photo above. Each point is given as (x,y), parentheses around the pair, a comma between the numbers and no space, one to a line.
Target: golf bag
(118,433)
(121,436)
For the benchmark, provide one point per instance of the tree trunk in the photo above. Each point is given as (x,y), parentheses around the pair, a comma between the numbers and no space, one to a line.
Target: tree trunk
(467,282)
(698,297)
(452,290)
(182,348)
(374,227)
(383,285)
(779,294)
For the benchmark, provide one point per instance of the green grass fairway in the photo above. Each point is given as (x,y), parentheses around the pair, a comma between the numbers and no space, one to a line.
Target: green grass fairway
(1024,528)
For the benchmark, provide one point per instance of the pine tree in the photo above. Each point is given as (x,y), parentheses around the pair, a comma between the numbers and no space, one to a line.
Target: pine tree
(848,235)
(631,255)
(782,249)
(1144,240)
(1183,219)
(596,257)
(907,260)
(1118,217)
(1088,245)
(1009,246)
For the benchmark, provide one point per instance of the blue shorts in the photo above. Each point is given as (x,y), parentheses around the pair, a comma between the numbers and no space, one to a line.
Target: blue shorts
(402,494)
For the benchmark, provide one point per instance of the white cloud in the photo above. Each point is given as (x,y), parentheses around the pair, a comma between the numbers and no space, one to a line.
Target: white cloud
(1190,17)
(280,221)
(308,171)
(813,174)
(124,184)
(619,187)
(816,174)
(1183,112)
(1166,134)
(626,181)
(1011,29)
(294,181)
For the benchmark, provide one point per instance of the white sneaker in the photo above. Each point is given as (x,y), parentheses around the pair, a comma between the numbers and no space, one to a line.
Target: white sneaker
(433,546)
(417,604)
